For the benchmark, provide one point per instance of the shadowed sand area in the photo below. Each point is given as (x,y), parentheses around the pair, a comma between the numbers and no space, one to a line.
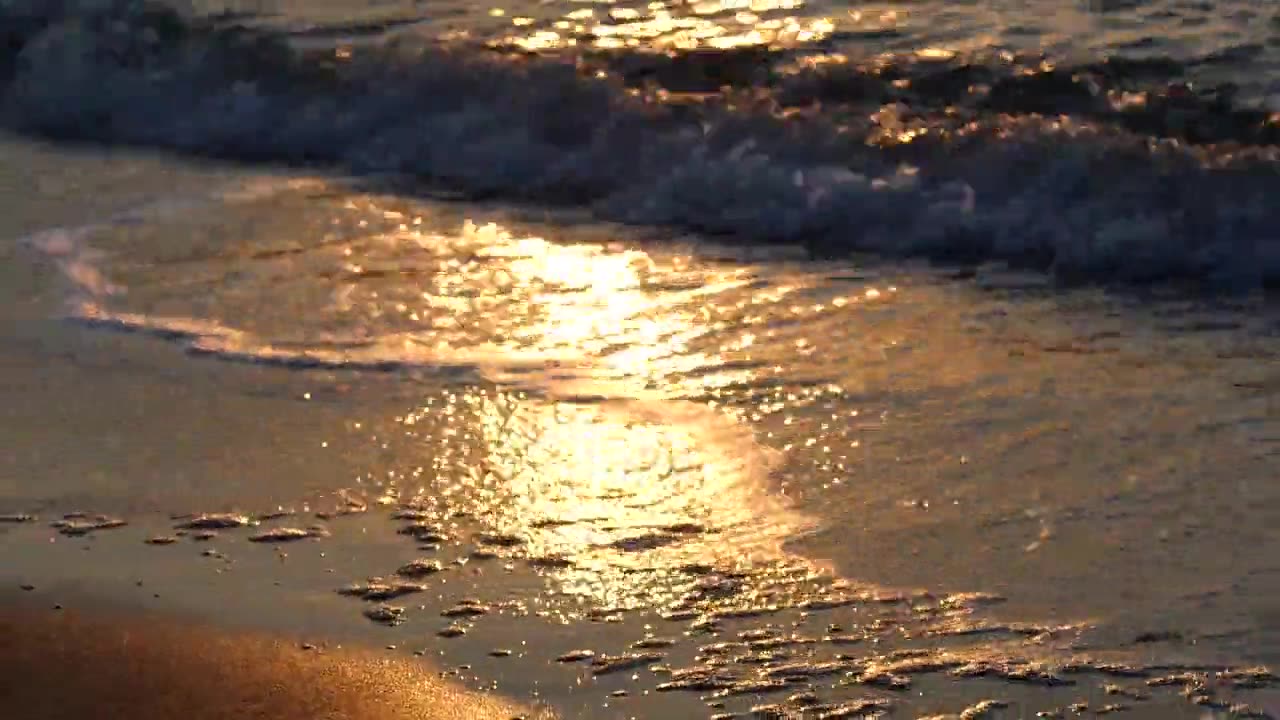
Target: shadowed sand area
(65,664)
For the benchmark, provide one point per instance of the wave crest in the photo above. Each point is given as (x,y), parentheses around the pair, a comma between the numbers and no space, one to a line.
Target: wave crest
(1080,172)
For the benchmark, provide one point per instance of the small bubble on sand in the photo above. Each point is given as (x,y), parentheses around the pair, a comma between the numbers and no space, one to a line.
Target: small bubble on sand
(770,712)
(805,670)
(27,588)
(499,539)
(827,603)
(420,568)
(411,514)
(17,518)
(1115,669)
(763,658)
(576,656)
(287,534)
(500,653)
(885,680)
(161,540)
(1011,672)
(1254,677)
(970,600)
(215,521)
(452,631)
(653,643)
(75,524)
(685,528)
(648,541)
(605,613)
(752,687)
(843,639)
(554,562)
(605,664)
(680,615)
(803,699)
(378,590)
(465,609)
(742,613)
(1122,691)
(699,678)
(385,614)
(706,625)
(549,523)
(872,707)
(982,710)
(425,533)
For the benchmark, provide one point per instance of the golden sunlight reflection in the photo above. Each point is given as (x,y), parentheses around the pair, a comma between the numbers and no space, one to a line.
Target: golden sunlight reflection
(614,412)
(616,499)
(712,24)
(600,467)
(589,302)
(625,488)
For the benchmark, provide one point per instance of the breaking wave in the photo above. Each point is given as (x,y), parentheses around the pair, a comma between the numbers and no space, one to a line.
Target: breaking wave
(1114,171)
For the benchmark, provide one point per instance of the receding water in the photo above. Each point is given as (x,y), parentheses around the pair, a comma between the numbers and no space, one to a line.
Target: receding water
(982,476)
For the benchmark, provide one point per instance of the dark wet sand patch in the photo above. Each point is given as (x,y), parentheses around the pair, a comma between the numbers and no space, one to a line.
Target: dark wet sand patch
(69,665)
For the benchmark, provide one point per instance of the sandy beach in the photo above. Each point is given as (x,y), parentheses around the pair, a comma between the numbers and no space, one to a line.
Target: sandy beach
(98,646)
(919,497)
(616,360)
(117,665)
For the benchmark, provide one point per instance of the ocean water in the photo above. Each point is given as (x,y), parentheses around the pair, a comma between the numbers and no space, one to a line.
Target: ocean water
(1211,43)
(1092,163)
(801,361)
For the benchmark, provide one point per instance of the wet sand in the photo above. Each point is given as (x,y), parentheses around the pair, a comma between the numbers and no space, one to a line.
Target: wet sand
(290,594)
(99,421)
(78,604)
(941,462)
(71,664)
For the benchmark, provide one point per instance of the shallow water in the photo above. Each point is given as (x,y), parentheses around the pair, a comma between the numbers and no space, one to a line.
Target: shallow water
(964,485)
(1229,40)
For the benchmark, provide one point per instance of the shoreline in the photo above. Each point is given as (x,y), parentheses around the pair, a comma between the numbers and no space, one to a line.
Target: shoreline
(234,627)
(952,581)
